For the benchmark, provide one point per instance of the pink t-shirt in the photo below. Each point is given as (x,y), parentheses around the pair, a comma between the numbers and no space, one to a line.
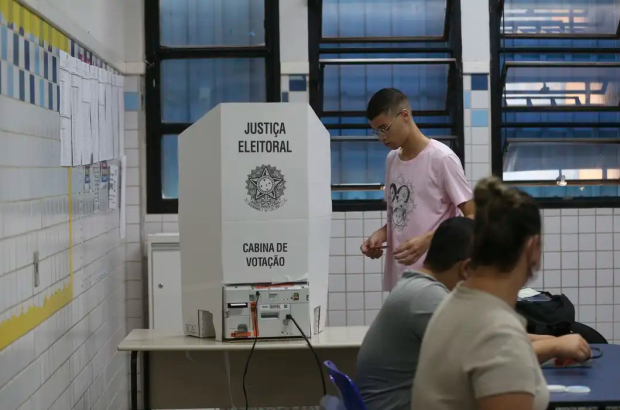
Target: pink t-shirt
(420,194)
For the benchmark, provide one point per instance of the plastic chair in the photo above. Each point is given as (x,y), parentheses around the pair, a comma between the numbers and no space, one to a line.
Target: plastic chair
(348,391)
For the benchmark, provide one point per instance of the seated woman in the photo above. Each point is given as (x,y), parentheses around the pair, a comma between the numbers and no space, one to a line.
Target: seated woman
(388,357)
(476,354)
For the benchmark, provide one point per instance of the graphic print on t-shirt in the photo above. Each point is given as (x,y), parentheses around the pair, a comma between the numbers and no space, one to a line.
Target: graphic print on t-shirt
(400,202)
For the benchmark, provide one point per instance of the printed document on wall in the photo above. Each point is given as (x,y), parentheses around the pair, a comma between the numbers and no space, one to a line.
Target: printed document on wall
(94,111)
(115,117)
(104,145)
(64,83)
(77,129)
(108,116)
(66,156)
(121,115)
(87,147)
(113,187)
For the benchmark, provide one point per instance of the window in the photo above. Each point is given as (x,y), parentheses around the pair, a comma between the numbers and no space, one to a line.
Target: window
(201,53)
(555,76)
(360,46)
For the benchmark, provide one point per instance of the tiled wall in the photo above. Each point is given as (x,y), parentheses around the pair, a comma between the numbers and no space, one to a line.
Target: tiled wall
(294,88)
(69,360)
(477,126)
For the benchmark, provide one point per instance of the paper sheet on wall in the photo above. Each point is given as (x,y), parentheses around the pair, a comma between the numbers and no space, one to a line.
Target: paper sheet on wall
(103,143)
(123,180)
(121,115)
(108,115)
(113,187)
(96,176)
(115,133)
(87,147)
(66,156)
(77,129)
(105,177)
(64,82)
(94,111)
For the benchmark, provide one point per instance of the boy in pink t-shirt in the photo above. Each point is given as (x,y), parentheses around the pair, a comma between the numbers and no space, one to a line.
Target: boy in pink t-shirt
(424,185)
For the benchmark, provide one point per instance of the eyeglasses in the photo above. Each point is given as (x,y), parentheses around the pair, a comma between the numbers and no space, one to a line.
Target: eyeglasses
(381,131)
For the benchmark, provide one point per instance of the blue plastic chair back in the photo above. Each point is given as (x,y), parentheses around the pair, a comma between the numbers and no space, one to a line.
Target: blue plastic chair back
(349,394)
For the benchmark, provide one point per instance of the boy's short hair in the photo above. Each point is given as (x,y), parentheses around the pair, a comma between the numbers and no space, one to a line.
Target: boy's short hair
(452,242)
(388,101)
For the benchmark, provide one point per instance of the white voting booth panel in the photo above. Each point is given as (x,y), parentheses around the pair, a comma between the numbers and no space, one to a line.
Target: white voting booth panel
(254,207)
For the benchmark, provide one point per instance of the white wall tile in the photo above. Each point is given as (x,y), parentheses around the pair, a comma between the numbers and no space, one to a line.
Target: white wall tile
(587,313)
(553,278)
(336,247)
(337,318)
(604,260)
(337,264)
(604,224)
(587,223)
(570,260)
(337,301)
(570,224)
(552,260)
(569,242)
(604,242)
(372,282)
(373,300)
(355,301)
(355,264)
(587,260)
(354,228)
(337,228)
(355,283)
(355,318)
(373,265)
(570,278)
(552,225)
(337,283)
(587,241)
(604,296)
(604,277)
(552,243)
(604,313)
(587,277)
(587,296)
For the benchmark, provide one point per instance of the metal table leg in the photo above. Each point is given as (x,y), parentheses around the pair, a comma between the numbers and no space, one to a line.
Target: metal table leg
(134,380)
(146,387)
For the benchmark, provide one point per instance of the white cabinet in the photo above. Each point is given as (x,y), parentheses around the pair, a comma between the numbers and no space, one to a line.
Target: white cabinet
(164,257)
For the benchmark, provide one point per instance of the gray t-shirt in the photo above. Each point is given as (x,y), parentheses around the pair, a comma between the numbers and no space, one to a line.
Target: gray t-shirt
(388,357)
(476,346)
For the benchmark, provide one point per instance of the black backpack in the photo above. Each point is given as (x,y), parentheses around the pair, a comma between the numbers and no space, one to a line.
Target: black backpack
(547,314)
(554,315)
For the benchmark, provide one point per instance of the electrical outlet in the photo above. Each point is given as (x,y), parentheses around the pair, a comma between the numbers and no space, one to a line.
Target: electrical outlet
(36,269)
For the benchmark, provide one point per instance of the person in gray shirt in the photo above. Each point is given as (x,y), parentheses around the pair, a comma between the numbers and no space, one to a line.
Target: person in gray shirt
(388,357)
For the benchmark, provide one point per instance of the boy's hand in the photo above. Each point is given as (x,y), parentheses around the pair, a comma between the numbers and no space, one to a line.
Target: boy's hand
(372,246)
(573,347)
(409,252)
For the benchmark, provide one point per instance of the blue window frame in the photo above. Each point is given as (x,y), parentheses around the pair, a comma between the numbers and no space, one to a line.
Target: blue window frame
(360,46)
(199,54)
(556,80)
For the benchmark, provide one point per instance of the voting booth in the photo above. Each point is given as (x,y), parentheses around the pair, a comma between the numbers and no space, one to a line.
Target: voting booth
(254,221)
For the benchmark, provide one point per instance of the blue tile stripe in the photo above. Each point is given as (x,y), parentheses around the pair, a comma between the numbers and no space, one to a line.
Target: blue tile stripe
(131,101)
(29,68)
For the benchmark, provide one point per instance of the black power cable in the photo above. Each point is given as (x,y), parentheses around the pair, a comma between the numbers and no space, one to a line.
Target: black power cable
(247,363)
(316,357)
